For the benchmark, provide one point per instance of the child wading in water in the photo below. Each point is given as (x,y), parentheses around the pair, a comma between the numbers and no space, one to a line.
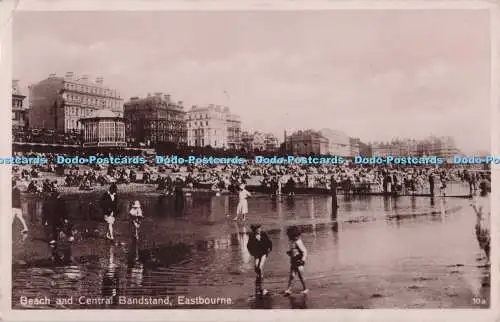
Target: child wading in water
(136,217)
(482,209)
(242,208)
(298,254)
(259,246)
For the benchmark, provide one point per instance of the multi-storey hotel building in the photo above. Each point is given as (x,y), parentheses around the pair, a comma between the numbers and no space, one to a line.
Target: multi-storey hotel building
(155,119)
(307,142)
(213,126)
(58,103)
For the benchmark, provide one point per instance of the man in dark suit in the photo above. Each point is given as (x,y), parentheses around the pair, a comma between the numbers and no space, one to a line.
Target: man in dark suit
(109,207)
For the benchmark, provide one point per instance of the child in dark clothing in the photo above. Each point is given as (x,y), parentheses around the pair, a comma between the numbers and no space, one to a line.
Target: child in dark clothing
(259,246)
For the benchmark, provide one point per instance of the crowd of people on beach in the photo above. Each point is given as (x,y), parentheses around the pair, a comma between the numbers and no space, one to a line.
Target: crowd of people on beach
(274,179)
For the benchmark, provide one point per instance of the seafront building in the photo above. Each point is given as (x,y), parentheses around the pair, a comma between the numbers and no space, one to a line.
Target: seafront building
(432,146)
(355,147)
(258,141)
(155,119)
(271,142)
(307,142)
(338,142)
(19,111)
(58,103)
(213,126)
(233,124)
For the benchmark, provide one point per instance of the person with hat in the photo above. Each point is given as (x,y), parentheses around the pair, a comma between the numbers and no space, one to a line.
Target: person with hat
(259,246)
(136,217)
(242,208)
(109,206)
(297,253)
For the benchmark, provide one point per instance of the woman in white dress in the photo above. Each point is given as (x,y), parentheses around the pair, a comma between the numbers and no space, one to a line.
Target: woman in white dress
(242,208)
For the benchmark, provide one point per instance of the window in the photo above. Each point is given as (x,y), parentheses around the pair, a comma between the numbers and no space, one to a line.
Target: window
(207,123)
(13,115)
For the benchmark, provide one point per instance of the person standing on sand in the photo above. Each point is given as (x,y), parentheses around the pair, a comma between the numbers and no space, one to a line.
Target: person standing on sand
(431,184)
(242,208)
(136,217)
(259,246)
(481,206)
(298,254)
(333,191)
(55,215)
(109,206)
(17,211)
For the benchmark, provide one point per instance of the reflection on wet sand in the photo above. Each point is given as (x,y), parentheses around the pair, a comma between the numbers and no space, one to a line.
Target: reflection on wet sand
(135,268)
(110,279)
(355,252)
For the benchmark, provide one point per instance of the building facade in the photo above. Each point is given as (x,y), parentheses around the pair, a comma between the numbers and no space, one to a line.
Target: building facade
(432,146)
(443,146)
(103,129)
(213,126)
(307,142)
(381,149)
(233,122)
(255,141)
(58,103)
(354,147)
(19,112)
(155,119)
(338,142)
(271,142)
(258,141)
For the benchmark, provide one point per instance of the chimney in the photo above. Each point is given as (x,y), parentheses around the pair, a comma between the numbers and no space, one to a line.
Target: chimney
(52,75)
(149,94)
(158,94)
(180,103)
(84,78)
(99,80)
(166,97)
(68,76)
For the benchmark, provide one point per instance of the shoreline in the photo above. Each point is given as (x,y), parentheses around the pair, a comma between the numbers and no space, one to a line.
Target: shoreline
(151,188)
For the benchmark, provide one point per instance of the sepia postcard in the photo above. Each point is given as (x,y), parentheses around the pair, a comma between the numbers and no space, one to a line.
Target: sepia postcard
(250,161)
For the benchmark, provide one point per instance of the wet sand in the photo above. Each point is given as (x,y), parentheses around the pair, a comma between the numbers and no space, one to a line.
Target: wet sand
(364,257)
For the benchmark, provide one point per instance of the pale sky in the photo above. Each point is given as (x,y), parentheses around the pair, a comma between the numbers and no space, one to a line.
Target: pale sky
(375,75)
